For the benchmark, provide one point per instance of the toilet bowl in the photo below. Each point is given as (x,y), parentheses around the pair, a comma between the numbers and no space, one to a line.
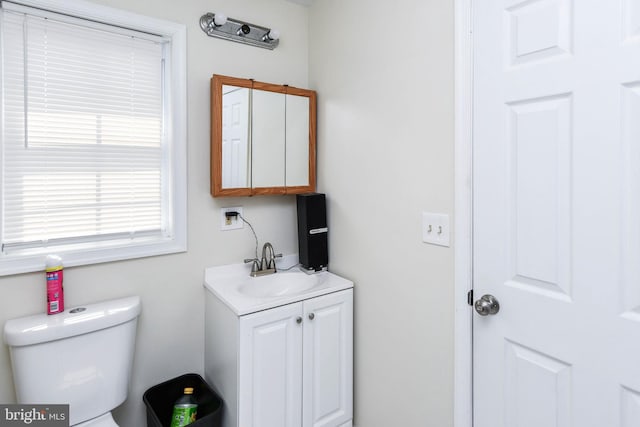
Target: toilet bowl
(82,357)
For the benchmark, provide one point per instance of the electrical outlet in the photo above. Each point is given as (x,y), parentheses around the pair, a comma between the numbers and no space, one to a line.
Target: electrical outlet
(230,222)
(435,229)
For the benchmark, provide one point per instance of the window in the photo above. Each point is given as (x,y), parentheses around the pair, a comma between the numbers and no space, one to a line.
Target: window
(93,135)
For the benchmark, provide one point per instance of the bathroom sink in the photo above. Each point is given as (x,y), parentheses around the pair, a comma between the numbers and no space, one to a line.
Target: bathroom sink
(244,294)
(279,284)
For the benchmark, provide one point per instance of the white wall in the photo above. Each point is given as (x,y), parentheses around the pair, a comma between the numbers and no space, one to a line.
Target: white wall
(170,332)
(384,75)
(385,154)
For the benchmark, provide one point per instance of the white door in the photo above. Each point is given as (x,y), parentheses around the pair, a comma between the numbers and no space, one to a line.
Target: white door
(235,137)
(328,360)
(270,363)
(557,212)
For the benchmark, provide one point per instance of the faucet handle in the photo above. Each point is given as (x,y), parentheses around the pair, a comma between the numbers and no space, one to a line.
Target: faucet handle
(255,267)
(272,261)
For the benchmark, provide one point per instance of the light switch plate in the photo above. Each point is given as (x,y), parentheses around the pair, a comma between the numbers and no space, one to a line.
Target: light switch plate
(233,223)
(435,229)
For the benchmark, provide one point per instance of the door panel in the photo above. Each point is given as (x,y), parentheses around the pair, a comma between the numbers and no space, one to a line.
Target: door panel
(537,31)
(631,246)
(540,193)
(526,370)
(271,360)
(630,408)
(328,360)
(556,207)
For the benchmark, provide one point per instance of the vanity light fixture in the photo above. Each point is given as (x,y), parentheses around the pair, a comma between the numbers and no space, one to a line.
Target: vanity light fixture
(219,25)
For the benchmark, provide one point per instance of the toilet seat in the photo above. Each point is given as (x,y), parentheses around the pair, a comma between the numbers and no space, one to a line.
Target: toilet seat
(105,420)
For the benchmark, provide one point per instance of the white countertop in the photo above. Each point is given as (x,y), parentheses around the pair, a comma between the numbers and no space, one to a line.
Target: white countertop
(229,284)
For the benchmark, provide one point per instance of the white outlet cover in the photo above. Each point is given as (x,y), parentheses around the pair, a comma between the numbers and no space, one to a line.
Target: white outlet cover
(236,223)
(435,229)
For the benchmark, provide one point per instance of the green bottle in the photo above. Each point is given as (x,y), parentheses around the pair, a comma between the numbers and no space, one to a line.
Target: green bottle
(185,409)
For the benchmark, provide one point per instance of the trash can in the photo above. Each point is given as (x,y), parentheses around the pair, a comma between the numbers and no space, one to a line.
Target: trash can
(160,399)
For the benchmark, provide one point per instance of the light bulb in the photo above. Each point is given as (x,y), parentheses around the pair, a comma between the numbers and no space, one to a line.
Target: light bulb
(274,34)
(219,19)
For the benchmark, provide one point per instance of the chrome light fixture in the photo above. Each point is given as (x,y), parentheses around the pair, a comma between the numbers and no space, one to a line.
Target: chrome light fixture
(219,25)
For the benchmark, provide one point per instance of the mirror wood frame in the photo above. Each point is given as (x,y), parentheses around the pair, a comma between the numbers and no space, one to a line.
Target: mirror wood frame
(217,83)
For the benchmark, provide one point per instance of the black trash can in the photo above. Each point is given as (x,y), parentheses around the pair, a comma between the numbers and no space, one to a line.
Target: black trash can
(160,399)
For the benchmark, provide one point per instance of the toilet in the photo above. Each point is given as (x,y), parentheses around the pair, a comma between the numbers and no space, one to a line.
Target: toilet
(82,357)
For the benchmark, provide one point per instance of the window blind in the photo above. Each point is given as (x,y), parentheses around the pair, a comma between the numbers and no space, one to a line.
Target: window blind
(83,135)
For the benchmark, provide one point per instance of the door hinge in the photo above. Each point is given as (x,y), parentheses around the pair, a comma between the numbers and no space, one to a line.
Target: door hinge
(470,297)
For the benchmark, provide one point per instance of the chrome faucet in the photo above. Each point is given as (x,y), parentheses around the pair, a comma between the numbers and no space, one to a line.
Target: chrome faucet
(267,264)
(268,260)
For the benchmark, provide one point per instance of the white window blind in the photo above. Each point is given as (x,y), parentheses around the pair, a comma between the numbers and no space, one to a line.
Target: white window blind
(85,155)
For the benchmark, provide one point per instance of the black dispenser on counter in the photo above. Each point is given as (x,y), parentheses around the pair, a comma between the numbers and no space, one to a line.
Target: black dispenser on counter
(312,231)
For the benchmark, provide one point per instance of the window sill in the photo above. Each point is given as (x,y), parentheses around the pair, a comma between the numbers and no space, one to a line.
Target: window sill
(89,254)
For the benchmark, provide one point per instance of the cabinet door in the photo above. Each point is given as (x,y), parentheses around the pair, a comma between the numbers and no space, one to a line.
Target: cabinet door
(328,360)
(270,362)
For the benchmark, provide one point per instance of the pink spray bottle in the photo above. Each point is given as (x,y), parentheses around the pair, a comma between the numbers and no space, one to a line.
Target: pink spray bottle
(55,291)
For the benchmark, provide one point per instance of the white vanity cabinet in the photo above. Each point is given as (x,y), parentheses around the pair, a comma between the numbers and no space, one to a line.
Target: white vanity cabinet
(287,366)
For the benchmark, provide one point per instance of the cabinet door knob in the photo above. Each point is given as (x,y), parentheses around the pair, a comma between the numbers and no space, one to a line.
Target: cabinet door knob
(311,316)
(298,319)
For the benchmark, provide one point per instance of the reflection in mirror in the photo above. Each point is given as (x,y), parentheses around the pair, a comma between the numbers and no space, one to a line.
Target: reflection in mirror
(297,131)
(235,137)
(268,139)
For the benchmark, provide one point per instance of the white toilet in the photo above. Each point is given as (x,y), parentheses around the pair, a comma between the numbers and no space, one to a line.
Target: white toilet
(81,357)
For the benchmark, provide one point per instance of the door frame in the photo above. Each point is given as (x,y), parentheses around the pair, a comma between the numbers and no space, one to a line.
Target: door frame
(463,214)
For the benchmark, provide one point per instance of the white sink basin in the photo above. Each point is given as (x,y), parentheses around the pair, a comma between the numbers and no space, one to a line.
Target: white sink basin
(244,294)
(279,284)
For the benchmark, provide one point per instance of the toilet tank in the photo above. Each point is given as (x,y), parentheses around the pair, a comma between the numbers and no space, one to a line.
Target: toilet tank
(82,357)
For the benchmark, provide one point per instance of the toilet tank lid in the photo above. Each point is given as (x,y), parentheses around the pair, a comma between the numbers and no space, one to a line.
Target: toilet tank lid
(42,328)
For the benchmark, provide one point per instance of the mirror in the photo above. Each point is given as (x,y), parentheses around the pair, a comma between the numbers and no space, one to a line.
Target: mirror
(297,130)
(268,138)
(263,138)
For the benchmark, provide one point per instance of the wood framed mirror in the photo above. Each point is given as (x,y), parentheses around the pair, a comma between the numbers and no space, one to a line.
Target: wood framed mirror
(263,138)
